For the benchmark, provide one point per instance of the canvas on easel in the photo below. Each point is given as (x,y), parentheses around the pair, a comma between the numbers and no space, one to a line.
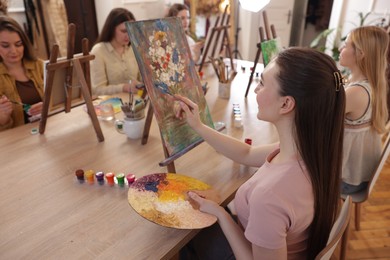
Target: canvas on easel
(165,63)
(60,89)
(269,46)
(270,49)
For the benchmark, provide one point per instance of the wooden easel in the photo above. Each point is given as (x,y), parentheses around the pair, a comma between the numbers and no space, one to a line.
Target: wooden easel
(263,38)
(81,66)
(221,27)
(148,123)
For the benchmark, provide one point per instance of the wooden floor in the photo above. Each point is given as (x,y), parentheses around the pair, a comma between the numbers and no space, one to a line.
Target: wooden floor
(373,239)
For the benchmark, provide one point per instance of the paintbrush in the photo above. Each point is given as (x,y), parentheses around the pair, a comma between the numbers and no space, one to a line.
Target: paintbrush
(131,99)
(25,106)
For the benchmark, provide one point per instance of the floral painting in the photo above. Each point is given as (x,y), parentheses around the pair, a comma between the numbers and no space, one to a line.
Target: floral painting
(166,66)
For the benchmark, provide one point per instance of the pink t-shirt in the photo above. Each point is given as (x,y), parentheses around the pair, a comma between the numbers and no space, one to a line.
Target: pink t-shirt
(276,206)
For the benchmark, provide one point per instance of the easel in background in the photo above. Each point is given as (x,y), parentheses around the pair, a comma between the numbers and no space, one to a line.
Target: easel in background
(81,66)
(263,38)
(221,27)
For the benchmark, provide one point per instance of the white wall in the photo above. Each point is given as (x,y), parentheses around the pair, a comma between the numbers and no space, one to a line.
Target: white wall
(16,11)
(345,16)
(142,9)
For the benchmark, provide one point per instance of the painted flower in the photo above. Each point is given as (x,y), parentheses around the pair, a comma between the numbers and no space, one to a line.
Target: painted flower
(166,63)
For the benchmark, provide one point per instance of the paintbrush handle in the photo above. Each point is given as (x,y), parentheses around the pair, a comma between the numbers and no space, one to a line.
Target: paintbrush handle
(16,102)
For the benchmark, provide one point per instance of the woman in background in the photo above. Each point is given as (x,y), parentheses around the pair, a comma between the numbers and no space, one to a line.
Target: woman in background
(182,11)
(364,54)
(288,207)
(114,68)
(21,77)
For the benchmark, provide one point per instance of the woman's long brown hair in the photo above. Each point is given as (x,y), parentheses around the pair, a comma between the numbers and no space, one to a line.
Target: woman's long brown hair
(319,130)
(114,18)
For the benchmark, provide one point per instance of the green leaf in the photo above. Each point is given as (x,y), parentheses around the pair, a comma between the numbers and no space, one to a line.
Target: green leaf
(322,35)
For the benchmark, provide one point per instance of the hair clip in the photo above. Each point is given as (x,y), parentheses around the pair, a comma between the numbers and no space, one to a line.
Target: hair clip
(338,80)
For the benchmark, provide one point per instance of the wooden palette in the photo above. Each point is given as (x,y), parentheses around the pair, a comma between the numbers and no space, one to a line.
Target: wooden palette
(162,199)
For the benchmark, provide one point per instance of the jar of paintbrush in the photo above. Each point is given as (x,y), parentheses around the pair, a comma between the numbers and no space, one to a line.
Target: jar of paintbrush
(224,80)
(133,123)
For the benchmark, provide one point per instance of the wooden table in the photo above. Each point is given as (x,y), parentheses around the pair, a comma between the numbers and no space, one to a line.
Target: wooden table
(46,214)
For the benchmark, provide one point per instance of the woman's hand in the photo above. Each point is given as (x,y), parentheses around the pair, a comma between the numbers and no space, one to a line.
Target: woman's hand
(131,86)
(204,203)
(6,109)
(35,109)
(190,110)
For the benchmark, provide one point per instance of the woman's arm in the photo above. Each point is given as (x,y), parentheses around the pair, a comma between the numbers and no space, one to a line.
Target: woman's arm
(228,146)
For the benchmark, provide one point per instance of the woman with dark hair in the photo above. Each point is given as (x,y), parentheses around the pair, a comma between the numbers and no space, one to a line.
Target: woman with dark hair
(114,68)
(287,209)
(21,77)
(183,12)
(365,54)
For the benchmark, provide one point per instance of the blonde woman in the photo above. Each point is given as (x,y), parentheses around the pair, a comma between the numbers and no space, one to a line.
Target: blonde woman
(364,54)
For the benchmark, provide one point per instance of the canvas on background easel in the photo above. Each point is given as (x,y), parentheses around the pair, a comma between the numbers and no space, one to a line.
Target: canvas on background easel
(269,46)
(79,65)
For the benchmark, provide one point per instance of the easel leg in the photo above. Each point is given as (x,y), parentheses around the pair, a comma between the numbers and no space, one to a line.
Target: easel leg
(88,100)
(49,87)
(171,166)
(148,122)
(254,68)
(69,76)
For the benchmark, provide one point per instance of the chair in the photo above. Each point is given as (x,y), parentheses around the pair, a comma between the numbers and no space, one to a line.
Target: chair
(338,232)
(359,197)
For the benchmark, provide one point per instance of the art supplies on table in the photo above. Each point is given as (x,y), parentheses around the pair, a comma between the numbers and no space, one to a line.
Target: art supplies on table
(106,107)
(101,178)
(224,75)
(237,116)
(135,108)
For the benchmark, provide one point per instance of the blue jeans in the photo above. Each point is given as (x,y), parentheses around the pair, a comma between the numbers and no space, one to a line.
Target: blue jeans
(349,188)
(209,244)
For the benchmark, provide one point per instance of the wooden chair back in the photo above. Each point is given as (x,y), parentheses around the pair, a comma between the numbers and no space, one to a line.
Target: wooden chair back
(338,232)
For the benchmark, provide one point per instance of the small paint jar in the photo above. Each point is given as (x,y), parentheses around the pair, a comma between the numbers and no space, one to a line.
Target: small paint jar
(90,176)
(120,178)
(130,178)
(248,141)
(237,121)
(100,177)
(80,175)
(110,178)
